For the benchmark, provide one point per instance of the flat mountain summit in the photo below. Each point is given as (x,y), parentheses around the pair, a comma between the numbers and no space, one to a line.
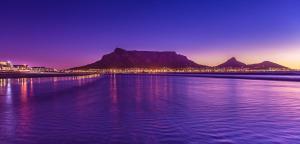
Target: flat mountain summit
(121,58)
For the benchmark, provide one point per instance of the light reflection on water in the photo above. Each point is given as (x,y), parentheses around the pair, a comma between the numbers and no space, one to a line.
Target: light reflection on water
(8,91)
(148,109)
(113,89)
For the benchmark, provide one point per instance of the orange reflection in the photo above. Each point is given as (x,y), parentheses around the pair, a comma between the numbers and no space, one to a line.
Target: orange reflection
(23,89)
(9,124)
(3,82)
(113,89)
(25,111)
(31,87)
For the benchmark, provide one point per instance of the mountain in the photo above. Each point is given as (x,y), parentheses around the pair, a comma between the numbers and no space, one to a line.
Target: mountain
(232,63)
(121,58)
(266,65)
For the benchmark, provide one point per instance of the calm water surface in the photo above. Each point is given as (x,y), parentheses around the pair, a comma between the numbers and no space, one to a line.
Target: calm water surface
(148,109)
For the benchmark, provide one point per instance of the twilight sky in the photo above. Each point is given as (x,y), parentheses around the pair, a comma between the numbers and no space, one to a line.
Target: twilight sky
(67,33)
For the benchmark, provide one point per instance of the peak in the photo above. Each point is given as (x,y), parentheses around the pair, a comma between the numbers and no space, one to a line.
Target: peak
(267,62)
(119,50)
(232,59)
(232,63)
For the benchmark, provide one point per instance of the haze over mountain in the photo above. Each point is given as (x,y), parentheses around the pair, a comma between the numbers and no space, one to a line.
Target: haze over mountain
(121,58)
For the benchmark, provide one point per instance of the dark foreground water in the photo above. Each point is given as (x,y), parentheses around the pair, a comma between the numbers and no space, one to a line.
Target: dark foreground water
(148,109)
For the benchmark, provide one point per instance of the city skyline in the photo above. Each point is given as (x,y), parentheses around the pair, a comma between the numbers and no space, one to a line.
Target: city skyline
(64,34)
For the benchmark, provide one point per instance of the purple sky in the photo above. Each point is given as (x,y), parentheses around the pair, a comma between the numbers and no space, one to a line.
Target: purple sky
(67,33)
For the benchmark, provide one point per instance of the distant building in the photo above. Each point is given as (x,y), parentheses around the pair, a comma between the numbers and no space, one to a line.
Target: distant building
(23,67)
(43,69)
(6,66)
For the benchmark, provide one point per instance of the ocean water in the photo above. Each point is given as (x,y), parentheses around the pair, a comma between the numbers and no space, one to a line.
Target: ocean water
(150,109)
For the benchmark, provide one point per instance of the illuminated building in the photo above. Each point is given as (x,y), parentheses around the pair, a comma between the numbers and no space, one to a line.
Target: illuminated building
(176,70)
(5,66)
(43,69)
(23,67)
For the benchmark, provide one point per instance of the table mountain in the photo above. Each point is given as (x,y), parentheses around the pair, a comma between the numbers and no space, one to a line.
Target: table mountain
(121,58)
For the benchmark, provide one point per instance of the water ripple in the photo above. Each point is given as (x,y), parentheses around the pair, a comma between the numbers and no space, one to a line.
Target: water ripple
(149,109)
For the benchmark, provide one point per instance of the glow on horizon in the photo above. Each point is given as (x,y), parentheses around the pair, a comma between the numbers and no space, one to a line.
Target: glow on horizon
(61,35)
(286,55)
(283,54)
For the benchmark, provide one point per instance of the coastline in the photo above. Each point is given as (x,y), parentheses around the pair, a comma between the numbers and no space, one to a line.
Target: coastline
(270,76)
(252,73)
(7,75)
(246,77)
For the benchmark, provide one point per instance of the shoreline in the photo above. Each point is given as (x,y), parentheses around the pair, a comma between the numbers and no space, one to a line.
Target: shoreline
(293,76)
(8,75)
(245,77)
(271,76)
(287,73)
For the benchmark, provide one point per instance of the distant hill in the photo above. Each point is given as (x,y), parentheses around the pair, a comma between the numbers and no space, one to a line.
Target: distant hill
(266,65)
(121,58)
(232,63)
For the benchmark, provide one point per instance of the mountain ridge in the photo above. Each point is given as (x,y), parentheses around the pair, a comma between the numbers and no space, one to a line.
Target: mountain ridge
(266,65)
(121,59)
(232,63)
